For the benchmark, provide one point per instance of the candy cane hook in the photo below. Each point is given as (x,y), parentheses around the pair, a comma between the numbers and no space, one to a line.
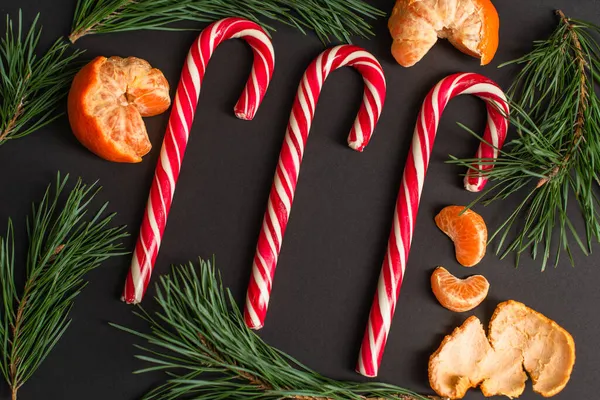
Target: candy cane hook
(290,158)
(178,130)
(407,205)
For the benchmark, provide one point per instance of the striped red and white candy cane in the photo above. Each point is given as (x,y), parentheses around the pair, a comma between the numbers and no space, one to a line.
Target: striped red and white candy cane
(290,158)
(178,130)
(407,205)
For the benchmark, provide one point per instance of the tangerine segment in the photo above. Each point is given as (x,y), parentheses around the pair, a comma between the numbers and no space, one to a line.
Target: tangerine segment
(467,231)
(456,294)
(472,26)
(107,100)
(147,88)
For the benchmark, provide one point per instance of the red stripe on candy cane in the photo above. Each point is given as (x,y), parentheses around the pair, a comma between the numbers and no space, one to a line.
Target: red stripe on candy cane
(290,158)
(407,205)
(178,131)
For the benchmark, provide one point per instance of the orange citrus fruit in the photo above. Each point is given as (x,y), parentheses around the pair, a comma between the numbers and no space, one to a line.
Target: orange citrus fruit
(107,100)
(472,26)
(458,294)
(467,231)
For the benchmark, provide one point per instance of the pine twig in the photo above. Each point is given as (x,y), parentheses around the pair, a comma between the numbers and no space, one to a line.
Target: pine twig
(338,18)
(31,87)
(556,156)
(200,330)
(580,60)
(62,249)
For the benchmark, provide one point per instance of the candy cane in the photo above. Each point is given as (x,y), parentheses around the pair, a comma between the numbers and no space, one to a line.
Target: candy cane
(290,158)
(176,137)
(407,205)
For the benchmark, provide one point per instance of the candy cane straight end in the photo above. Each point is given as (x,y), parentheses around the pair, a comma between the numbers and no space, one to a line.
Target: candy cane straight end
(368,374)
(356,146)
(244,113)
(251,317)
(251,325)
(132,296)
(367,365)
(137,280)
(127,300)
(244,116)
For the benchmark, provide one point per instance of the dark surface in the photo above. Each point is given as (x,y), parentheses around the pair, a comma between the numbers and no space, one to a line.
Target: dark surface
(339,226)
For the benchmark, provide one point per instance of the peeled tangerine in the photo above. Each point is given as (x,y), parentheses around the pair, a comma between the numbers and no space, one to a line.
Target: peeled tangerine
(456,294)
(470,25)
(107,100)
(520,340)
(467,230)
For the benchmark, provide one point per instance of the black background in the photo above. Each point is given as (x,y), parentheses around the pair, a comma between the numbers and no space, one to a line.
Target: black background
(339,226)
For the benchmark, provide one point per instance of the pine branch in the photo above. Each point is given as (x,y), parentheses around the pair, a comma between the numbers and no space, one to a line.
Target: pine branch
(338,18)
(200,330)
(31,87)
(62,249)
(556,156)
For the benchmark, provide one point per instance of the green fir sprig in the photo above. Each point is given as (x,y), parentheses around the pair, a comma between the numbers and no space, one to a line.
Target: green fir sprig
(555,159)
(338,18)
(199,338)
(31,86)
(63,247)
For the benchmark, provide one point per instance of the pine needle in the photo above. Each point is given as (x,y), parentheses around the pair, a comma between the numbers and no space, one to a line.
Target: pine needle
(62,249)
(199,334)
(328,18)
(31,87)
(555,158)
